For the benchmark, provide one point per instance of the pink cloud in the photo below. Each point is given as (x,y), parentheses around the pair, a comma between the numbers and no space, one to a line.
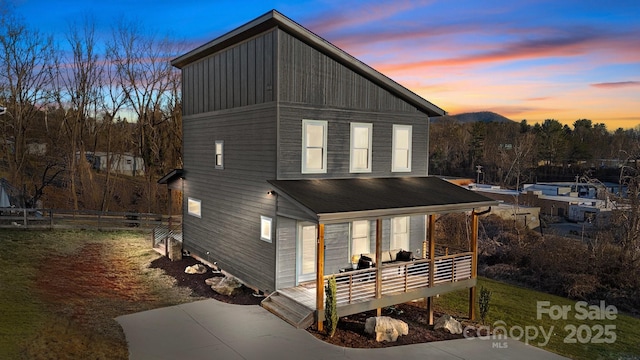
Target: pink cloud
(615,85)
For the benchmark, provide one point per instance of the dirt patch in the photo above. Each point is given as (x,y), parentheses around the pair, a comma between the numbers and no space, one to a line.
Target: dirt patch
(350,331)
(75,282)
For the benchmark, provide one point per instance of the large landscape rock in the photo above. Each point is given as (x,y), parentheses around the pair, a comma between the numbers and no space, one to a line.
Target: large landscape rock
(385,328)
(448,323)
(227,285)
(196,269)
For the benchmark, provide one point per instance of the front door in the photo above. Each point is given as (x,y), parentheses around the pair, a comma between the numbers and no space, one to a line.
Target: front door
(306,252)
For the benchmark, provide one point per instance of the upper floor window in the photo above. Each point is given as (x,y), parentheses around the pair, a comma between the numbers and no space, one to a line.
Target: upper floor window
(219,154)
(401,157)
(314,147)
(361,147)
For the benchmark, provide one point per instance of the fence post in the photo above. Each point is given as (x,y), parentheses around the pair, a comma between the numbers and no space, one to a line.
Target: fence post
(50,219)
(24,216)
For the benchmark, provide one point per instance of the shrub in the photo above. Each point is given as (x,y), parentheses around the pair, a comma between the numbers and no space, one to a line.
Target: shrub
(483,302)
(330,307)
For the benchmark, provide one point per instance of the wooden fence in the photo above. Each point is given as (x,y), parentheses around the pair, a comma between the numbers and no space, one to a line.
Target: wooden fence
(14,218)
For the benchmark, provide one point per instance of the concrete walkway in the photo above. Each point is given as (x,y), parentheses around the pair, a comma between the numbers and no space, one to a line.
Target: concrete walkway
(210,329)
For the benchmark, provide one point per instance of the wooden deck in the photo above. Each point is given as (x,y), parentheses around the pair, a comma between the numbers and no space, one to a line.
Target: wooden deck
(401,282)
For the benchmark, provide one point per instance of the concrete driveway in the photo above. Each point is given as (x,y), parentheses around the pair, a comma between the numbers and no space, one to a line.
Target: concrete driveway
(210,329)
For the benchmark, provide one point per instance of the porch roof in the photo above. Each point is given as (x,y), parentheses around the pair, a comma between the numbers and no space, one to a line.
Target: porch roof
(335,200)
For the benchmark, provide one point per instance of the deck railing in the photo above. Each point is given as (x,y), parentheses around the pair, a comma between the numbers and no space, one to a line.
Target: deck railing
(360,285)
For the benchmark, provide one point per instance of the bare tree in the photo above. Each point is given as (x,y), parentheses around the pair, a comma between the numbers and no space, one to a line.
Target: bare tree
(79,88)
(26,63)
(149,82)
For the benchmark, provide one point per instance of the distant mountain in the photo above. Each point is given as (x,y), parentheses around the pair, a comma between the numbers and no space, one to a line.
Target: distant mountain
(482,116)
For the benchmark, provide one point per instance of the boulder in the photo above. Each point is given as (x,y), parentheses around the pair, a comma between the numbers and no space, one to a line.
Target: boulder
(196,269)
(449,324)
(385,328)
(227,285)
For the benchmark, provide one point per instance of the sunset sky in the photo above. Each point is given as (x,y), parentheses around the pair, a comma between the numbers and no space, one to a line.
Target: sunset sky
(534,60)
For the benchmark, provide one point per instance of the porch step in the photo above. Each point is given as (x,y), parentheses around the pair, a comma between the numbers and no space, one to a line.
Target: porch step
(289,310)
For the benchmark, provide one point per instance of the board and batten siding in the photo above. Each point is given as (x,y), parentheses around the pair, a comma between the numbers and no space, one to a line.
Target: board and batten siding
(241,75)
(233,198)
(308,76)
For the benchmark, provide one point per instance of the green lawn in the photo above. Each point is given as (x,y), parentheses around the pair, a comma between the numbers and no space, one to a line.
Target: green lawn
(516,310)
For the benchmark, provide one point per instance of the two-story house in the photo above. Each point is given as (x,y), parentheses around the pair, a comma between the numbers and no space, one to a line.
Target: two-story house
(299,160)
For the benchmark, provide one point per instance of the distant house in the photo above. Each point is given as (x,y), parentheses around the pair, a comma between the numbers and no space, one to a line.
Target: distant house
(301,163)
(125,163)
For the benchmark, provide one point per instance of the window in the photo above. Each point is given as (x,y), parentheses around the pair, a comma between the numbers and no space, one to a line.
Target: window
(360,243)
(400,233)
(219,164)
(314,147)
(194,207)
(401,157)
(265,228)
(361,147)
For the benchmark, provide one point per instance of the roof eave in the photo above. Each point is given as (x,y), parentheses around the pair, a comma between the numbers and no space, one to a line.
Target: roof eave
(329,218)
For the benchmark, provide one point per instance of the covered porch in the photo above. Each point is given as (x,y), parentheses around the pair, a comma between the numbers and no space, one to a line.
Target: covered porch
(436,270)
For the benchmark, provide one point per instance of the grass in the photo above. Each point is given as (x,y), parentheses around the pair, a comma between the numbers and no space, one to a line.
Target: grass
(61,290)
(516,308)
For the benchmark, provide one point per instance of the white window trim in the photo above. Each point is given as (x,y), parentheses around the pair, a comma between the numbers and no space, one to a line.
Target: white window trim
(266,221)
(369,127)
(196,210)
(324,124)
(215,157)
(394,166)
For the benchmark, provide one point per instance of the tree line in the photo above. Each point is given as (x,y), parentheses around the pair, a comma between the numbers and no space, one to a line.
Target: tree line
(510,153)
(118,93)
(115,93)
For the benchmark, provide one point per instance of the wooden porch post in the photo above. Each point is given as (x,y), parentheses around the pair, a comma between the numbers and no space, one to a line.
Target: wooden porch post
(474,264)
(320,279)
(432,265)
(379,262)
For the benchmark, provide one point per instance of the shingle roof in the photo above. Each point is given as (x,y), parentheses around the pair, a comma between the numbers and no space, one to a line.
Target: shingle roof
(340,199)
(276,19)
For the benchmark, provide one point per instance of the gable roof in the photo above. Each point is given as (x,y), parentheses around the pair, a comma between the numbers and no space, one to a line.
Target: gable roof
(335,200)
(275,19)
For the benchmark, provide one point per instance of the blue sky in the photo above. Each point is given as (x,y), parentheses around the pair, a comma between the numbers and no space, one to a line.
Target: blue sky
(533,60)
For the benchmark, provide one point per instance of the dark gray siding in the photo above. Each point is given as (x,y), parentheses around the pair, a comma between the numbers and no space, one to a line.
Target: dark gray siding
(336,256)
(338,134)
(234,198)
(286,244)
(241,75)
(313,86)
